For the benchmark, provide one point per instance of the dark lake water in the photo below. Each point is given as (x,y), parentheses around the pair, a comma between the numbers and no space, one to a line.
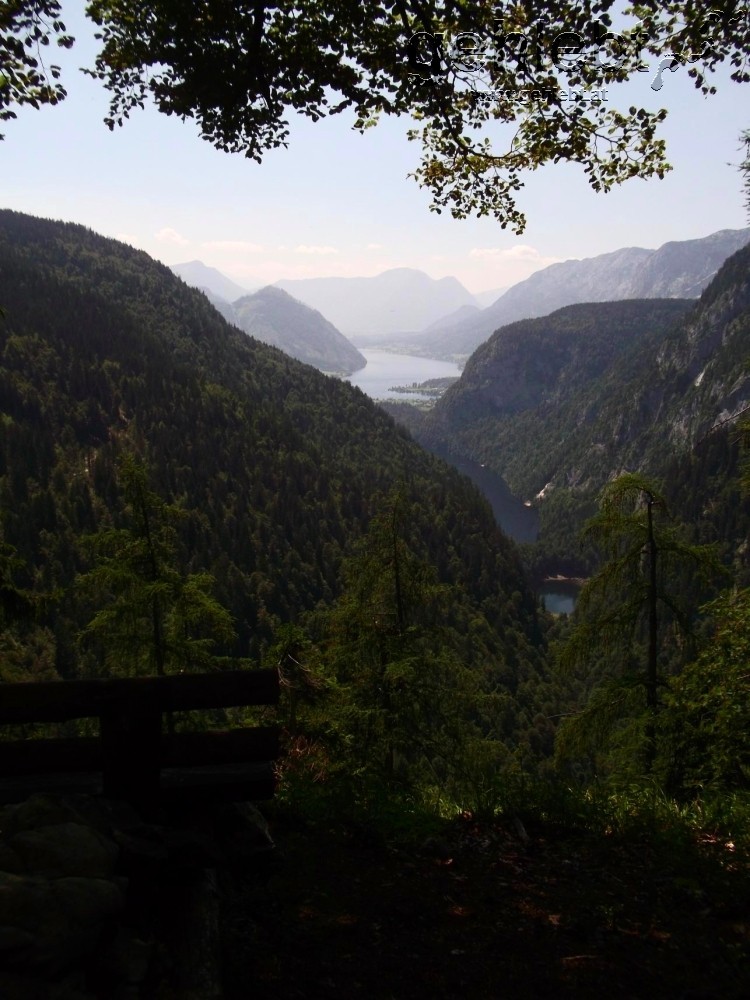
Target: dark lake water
(516,520)
(384,369)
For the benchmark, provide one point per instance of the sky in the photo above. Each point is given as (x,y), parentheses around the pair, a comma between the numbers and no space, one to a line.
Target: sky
(337,203)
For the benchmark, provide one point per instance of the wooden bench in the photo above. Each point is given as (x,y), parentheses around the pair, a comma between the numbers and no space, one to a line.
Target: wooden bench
(132,758)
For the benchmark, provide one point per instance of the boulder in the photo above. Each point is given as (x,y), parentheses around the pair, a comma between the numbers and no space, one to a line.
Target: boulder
(65,849)
(51,925)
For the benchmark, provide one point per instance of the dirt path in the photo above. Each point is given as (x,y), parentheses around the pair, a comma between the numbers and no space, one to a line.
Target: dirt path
(476,914)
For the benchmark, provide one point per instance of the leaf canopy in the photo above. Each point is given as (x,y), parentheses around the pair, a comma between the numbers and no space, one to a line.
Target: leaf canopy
(494,89)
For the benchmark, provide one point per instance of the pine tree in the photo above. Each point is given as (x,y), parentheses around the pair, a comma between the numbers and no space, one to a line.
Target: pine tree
(155,618)
(624,609)
(390,656)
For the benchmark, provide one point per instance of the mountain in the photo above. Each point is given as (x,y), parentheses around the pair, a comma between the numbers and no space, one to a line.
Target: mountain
(398,300)
(199,275)
(486,298)
(277,319)
(560,405)
(277,469)
(463,313)
(675,270)
(220,305)
(515,407)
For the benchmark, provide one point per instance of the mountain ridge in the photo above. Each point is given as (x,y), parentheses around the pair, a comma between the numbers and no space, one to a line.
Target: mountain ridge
(199,275)
(561,404)
(277,318)
(393,301)
(676,269)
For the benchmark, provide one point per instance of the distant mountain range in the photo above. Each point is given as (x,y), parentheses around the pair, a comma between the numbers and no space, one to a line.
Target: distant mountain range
(675,270)
(395,301)
(484,299)
(406,310)
(559,405)
(401,300)
(198,275)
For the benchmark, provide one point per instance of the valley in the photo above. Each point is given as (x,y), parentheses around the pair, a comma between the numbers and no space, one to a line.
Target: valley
(179,495)
(374,444)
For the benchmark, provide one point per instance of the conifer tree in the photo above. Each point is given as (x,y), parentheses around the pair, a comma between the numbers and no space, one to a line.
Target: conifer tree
(155,618)
(400,686)
(624,609)
(707,708)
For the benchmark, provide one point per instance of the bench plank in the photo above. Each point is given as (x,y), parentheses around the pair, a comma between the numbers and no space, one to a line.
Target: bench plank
(56,756)
(59,701)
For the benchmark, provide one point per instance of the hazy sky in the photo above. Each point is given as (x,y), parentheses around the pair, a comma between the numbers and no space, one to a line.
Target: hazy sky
(336,203)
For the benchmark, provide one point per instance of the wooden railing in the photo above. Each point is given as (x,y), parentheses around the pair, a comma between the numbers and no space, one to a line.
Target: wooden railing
(137,761)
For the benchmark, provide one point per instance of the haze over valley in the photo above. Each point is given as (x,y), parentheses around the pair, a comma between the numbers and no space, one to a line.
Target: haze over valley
(405,311)
(418,511)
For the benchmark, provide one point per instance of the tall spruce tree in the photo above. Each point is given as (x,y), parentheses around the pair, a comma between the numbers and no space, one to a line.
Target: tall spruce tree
(624,610)
(154,618)
(402,698)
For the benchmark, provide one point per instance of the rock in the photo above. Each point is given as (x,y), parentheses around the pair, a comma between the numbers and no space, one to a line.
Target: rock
(242,831)
(16,986)
(142,847)
(130,957)
(106,815)
(66,919)
(6,812)
(15,941)
(66,849)
(39,810)
(9,860)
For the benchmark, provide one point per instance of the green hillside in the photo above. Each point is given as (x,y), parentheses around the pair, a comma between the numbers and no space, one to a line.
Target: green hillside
(523,403)
(278,468)
(560,405)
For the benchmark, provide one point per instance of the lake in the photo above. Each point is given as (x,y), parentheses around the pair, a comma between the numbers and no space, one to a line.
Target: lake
(559,597)
(385,369)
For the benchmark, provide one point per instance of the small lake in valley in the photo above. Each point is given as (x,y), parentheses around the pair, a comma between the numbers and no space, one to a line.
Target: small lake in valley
(385,369)
(559,596)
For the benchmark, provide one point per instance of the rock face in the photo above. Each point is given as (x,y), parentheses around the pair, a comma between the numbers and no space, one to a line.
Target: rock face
(93,902)
(62,849)
(60,898)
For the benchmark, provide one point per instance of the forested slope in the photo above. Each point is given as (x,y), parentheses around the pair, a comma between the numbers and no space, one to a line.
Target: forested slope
(274,317)
(560,405)
(278,468)
(521,405)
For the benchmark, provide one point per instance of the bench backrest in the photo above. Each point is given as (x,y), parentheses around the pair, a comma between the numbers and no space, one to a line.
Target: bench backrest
(132,750)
